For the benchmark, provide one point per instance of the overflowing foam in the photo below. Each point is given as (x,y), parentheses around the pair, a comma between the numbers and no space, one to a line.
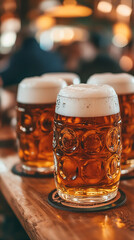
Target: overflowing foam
(123,83)
(37,90)
(85,100)
(70,78)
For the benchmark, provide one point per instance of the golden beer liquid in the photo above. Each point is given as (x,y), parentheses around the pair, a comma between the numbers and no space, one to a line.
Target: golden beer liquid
(87,153)
(127,115)
(35,133)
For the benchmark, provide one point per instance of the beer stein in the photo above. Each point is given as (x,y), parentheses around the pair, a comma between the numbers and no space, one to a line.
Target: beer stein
(123,84)
(36,100)
(86,143)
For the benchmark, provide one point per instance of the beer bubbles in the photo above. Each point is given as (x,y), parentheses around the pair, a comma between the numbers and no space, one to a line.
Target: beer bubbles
(86,143)
(123,84)
(36,100)
(39,90)
(87,101)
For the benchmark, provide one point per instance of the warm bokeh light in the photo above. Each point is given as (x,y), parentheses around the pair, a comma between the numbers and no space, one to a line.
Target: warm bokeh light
(11,24)
(8,39)
(104,6)
(57,35)
(67,34)
(126,63)
(120,40)
(61,35)
(70,9)
(124,10)
(9,5)
(44,22)
(122,34)
(122,28)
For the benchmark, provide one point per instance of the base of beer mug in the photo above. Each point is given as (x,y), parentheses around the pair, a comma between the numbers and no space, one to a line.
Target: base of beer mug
(128,167)
(87,200)
(39,170)
(56,201)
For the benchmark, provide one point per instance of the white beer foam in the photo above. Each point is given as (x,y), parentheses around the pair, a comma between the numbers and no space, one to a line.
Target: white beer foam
(85,100)
(37,90)
(123,83)
(70,78)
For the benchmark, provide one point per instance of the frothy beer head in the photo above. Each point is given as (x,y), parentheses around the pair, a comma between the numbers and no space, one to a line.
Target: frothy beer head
(85,100)
(36,90)
(123,83)
(70,78)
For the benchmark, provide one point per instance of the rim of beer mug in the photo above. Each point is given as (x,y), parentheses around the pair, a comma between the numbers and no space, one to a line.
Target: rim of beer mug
(76,96)
(70,78)
(123,83)
(64,93)
(36,90)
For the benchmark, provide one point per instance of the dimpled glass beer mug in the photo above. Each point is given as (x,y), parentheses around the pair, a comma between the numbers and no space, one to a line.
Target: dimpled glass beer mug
(124,86)
(36,100)
(86,143)
(69,78)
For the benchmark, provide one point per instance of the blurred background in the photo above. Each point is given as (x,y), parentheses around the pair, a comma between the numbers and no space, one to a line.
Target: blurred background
(81,36)
(41,36)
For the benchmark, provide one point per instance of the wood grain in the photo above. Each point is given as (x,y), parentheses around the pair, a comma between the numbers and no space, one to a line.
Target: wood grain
(28,199)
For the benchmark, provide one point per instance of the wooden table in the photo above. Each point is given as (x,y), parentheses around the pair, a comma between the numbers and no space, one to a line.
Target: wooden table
(28,199)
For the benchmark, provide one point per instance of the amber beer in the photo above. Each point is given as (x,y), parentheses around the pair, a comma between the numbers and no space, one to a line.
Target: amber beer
(124,86)
(35,112)
(69,78)
(86,143)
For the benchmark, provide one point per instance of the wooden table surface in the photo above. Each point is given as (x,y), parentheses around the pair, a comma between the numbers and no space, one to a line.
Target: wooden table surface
(28,199)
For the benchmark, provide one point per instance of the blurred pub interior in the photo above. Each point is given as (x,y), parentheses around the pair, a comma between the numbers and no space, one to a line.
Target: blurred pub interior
(80,36)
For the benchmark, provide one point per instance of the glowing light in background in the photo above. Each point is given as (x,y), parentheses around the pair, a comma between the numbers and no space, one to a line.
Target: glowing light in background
(61,35)
(8,39)
(11,24)
(122,34)
(69,9)
(44,22)
(46,43)
(124,10)
(126,63)
(120,40)
(48,4)
(57,35)
(123,29)
(68,34)
(9,5)
(104,6)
